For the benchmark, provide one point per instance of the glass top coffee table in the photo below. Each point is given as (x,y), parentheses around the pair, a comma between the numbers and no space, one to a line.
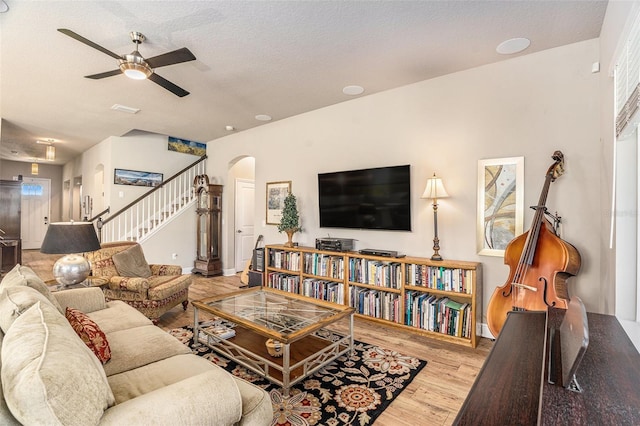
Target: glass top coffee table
(297,324)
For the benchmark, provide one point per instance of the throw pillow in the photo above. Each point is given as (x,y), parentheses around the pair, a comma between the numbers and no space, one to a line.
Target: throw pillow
(90,334)
(23,275)
(14,301)
(131,263)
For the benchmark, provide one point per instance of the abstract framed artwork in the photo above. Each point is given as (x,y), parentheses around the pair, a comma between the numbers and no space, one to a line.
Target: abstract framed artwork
(500,203)
(136,178)
(276,193)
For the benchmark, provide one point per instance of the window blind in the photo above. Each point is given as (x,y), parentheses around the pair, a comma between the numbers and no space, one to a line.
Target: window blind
(627,83)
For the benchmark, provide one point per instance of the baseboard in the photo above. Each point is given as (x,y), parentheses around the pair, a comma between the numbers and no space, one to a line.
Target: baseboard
(228,272)
(484,331)
(632,328)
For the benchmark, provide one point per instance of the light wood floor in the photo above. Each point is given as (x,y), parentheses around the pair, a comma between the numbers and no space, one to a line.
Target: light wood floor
(433,398)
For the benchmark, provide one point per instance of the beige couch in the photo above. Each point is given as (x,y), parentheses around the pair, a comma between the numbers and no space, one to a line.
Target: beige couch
(50,376)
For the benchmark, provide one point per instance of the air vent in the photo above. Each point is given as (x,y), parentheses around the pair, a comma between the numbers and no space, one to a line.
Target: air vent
(122,108)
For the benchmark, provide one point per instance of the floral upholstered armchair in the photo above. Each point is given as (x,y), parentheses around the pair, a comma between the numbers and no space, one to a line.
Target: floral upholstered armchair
(151,289)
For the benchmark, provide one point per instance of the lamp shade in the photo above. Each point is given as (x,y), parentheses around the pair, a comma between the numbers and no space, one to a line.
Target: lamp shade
(434,189)
(50,153)
(70,237)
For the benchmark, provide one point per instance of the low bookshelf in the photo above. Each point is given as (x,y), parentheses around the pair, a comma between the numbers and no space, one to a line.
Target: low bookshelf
(439,299)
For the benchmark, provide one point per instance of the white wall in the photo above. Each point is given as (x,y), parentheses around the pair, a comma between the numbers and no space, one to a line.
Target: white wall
(527,106)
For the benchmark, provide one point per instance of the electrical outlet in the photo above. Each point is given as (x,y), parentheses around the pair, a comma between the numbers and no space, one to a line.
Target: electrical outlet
(174,255)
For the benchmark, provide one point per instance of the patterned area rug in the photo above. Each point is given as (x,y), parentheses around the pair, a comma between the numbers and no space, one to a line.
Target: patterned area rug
(353,390)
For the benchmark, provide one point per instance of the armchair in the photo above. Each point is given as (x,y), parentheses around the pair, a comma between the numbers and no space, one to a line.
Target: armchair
(152,289)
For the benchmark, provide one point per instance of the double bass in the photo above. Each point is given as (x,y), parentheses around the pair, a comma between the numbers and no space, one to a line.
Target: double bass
(540,263)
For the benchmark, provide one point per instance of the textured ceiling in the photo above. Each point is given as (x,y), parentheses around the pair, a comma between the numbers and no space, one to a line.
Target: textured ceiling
(279,58)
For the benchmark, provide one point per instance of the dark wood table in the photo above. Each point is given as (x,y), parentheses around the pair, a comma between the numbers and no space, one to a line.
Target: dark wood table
(512,386)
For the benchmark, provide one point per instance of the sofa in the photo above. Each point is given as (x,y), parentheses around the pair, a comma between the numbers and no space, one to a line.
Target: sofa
(153,289)
(71,358)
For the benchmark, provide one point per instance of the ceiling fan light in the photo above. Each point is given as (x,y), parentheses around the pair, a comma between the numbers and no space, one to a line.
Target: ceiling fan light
(135,71)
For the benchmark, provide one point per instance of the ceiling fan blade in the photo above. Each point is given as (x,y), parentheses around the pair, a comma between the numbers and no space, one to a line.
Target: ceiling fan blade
(176,90)
(170,58)
(88,42)
(103,74)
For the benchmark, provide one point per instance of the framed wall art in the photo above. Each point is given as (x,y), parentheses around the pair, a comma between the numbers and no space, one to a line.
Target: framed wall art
(276,193)
(136,178)
(500,203)
(187,147)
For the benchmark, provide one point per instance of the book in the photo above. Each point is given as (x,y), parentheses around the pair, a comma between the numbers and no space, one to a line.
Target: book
(218,331)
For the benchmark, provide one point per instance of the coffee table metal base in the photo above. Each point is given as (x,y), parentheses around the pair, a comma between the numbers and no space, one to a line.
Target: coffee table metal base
(299,360)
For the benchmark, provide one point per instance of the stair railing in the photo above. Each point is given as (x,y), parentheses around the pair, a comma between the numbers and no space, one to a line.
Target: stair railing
(145,215)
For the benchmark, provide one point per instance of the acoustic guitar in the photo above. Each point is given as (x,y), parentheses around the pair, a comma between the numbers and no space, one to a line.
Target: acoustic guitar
(244,275)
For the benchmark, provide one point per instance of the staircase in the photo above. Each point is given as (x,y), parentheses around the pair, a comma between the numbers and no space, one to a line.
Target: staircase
(148,214)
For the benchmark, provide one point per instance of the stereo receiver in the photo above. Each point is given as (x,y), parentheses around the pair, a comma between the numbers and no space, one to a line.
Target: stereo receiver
(335,244)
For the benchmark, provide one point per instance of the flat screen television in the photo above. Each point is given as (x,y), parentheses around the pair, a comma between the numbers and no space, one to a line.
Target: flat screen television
(378,198)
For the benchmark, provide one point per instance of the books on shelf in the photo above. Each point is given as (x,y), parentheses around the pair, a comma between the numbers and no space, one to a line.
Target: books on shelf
(289,260)
(438,314)
(374,272)
(284,282)
(439,278)
(377,304)
(324,265)
(330,291)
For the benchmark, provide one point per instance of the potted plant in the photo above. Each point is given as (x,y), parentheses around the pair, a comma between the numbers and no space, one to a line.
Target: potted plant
(290,221)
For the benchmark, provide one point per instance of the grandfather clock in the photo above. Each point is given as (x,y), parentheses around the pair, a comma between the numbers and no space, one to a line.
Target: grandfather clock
(209,226)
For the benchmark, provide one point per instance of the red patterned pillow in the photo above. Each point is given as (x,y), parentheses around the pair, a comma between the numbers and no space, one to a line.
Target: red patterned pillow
(90,334)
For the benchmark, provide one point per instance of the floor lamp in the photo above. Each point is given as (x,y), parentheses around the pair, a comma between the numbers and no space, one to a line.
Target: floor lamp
(434,190)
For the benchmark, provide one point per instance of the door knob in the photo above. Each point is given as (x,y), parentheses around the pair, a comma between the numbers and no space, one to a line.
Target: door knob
(239,231)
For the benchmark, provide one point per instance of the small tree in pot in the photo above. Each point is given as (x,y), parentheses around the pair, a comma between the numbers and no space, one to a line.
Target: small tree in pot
(290,221)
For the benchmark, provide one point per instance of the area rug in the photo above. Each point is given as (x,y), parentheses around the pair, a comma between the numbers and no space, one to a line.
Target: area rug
(352,390)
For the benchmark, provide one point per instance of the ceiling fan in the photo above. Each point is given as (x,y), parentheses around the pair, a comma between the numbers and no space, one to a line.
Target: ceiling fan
(133,65)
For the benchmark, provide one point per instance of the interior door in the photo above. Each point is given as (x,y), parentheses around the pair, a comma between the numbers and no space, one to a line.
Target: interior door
(36,211)
(244,213)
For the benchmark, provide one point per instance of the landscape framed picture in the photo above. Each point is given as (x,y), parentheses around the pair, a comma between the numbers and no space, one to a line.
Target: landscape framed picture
(136,178)
(500,203)
(276,193)
(187,147)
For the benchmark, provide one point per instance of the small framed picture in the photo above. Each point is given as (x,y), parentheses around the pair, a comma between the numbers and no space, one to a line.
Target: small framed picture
(500,204)
(276,193)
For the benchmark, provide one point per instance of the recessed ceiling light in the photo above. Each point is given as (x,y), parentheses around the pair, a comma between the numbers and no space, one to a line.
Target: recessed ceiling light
(230,128)
(263,117)
(353,90)
(514,45)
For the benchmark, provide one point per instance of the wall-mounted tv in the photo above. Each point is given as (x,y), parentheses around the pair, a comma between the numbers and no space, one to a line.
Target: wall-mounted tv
(378,198)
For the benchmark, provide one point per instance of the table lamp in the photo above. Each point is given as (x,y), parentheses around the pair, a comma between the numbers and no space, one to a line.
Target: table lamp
(70,238)
(434,190)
